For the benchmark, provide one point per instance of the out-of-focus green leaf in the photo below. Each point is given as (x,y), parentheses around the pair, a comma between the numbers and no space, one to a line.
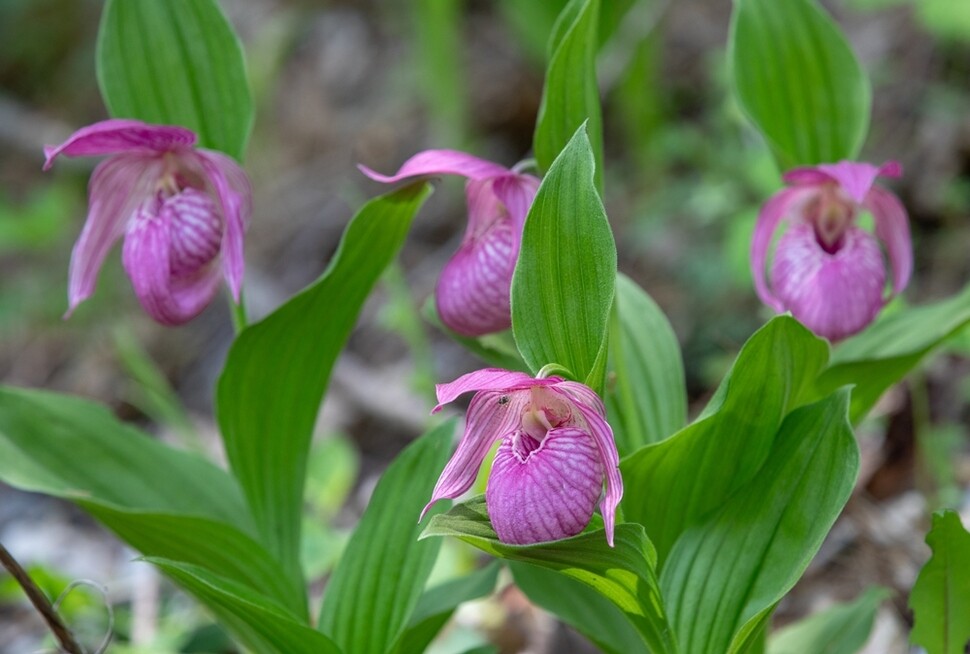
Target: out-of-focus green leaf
(251,617)
(570,96)
(798,81)
(940,599)
(725,574)
(673,484)
(161,501)
(947,19)
(623,574)
(437,604)
(580,606)
(646,399)
(563,285)
(382,573)
(438,28)
(498,350)
(840,629)
(278,369)
(177,62)
(881,355)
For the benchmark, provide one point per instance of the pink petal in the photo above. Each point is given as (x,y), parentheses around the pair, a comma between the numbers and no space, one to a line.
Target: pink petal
(118,136)
(602,435)
(231,185)
(491,416)
(517,192)
(491,379)
(146,254)
(774,210)
(117,186)
(543,491)
(472,294)
(834,295)
(855,178)
(581,394)
(892,228)
(440,162)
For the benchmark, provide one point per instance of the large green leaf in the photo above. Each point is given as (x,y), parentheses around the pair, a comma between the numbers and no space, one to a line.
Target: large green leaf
(570,96)
(382,573)
(940,599)
(883,354)
(437,604)
(798,81)
(725,574)
(248,615)
(177,62)
(580,606)
(646,398)
(161,501)
(623,574)
(673,484)
(563,285)
(278,369)
(840,629)
(74,448)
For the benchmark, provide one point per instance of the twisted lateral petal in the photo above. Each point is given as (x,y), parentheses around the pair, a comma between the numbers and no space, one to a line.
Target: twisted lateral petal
(231,186)
(118,185)
(779,206)
(892,228)
(440,162)
(602,436)
(120,136)
(516,192)
(834,295)
(543,491)
(491,415)
(491,379)
(146,257)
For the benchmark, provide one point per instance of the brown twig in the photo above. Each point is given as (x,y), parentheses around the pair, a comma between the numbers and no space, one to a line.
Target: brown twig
(41,603)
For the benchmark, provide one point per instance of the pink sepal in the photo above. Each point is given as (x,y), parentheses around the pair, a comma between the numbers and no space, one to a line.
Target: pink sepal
(491,379)
(779,206)
(114,191)
(855,178)
(120,136)
(231,186)
(517,192)
(892,228)
(440,162)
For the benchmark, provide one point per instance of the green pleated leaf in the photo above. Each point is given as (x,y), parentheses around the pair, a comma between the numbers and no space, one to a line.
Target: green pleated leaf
(798,81)
(160,501)
(570,96)
(74,448)
(580,606)
(673,484)
(277,371)
(176,62)
(249,616)
(437,605)
(646,399)
(840,629)
(623,574)
(563,285)
(940,599)
(882,354)
(382,573)
(724,575)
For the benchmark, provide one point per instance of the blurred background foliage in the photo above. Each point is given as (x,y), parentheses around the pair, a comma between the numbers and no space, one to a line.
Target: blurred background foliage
(373,81)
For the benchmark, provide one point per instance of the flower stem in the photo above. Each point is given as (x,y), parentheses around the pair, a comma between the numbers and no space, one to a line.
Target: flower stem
(41,603)
(238,311)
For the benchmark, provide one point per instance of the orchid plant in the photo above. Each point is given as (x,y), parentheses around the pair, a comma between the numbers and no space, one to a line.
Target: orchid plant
(702,528)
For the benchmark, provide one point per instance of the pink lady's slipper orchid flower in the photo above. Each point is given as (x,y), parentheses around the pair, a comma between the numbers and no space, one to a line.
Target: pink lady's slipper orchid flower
(472,295)
(556,450)
(830,273)
(181,210)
